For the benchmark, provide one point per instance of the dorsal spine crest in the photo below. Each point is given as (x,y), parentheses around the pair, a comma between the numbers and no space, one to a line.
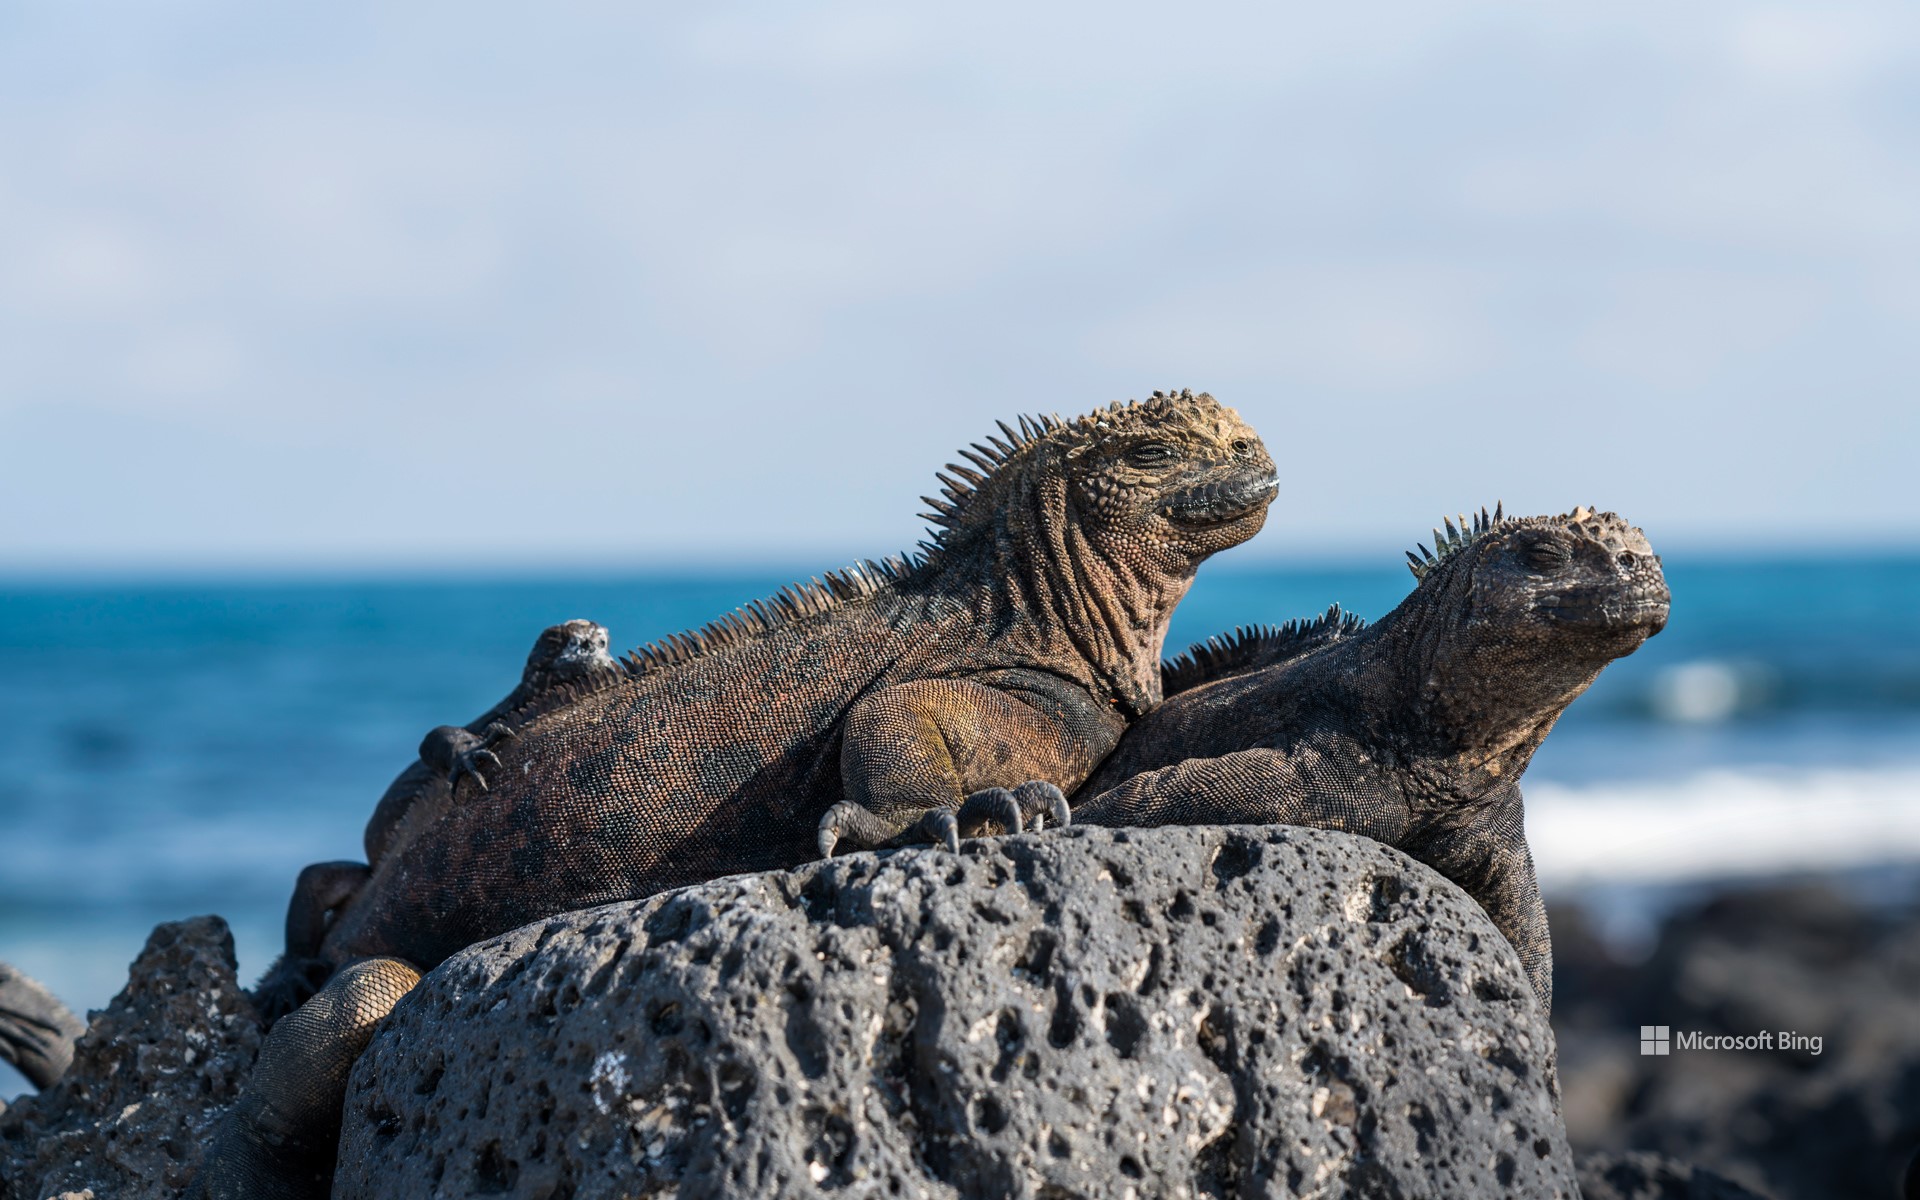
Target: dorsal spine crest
(1250,646)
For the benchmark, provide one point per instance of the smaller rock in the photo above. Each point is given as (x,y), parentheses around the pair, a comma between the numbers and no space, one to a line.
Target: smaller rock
(150,1077)
(1640,1176)
(1801,958)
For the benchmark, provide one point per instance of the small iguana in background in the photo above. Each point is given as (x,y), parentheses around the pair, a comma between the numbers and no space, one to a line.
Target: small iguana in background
(1413,731)
(572,654)
(961,689)
(37,1032)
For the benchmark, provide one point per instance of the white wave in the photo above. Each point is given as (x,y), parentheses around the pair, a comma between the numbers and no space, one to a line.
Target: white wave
(1708,691)
(1723,823)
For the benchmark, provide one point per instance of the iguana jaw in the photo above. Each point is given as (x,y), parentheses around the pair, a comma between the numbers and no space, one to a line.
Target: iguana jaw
(1602,611)
(1222,502)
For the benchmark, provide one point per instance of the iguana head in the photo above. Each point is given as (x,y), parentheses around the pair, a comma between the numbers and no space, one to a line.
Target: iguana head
(1171,480)
(565,652)
(1585,582)
(1100,520)
(1515,616)
(1167,480)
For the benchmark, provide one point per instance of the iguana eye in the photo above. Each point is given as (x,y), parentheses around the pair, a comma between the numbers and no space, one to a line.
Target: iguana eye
(1152,454)
(1547,555)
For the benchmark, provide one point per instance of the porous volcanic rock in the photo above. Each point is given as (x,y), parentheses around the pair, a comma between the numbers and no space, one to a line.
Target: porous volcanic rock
(1245,1011)
(149,1078)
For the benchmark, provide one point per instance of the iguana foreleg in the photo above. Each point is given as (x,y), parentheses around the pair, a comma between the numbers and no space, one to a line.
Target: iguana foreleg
(1489,859)
(933,759)
(1260,786)
(454,752)
(320,889)
(279,1140)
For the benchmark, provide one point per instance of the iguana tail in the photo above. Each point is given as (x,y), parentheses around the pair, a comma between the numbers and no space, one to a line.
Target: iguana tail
(37,1032)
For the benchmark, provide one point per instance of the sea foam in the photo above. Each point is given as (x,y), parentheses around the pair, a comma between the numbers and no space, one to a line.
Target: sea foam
(1723,822)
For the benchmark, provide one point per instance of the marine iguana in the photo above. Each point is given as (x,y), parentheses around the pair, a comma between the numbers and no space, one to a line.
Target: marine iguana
(37,1032)
(567,654)
(1414,730)
(960,689)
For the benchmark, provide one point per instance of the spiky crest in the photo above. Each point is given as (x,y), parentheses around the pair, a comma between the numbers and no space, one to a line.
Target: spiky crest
(958,506)
(794,602)
(1454,540)
(1252,646)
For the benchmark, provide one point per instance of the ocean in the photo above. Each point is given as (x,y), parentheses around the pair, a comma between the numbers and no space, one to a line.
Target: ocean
(180,748)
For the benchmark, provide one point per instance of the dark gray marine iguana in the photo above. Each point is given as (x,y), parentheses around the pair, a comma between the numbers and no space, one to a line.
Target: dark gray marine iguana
(572,654)
(962,689)
(1414,730)
(37,1032)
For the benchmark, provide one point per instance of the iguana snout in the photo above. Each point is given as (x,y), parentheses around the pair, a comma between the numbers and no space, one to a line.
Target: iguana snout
(1223,501)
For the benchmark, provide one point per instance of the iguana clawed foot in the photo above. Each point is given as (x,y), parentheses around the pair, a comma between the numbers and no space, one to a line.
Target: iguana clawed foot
(990,810)
(453,752)
(1029,808)
(852,823)
(1034,805)
(1042,805)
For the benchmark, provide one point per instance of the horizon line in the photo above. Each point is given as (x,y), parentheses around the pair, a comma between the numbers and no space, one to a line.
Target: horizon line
(788,563)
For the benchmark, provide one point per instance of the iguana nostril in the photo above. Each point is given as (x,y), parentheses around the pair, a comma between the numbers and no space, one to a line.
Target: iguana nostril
(1627,559)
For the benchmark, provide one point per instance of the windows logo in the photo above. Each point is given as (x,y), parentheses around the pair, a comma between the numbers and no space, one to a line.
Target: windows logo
(1654,1039)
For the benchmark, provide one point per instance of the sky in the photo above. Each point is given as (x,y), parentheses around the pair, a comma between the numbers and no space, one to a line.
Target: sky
(435,286)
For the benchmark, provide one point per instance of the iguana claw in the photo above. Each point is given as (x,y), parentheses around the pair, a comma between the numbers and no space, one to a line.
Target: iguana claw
(846,819)
(989,810)
(990,806)
(1042,805)
(863,829)
(37,1032)
(470,763)
(937,827)
(469,759)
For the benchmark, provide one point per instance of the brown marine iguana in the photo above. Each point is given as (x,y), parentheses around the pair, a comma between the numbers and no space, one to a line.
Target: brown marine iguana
(1414,730)
(37,1032)
(963,688)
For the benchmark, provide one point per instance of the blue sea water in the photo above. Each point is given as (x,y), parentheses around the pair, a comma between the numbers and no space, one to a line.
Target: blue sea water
(176,748)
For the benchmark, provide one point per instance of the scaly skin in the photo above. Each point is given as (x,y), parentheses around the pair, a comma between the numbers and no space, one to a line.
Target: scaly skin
(963,690)
(37,1032)
(1413,731)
